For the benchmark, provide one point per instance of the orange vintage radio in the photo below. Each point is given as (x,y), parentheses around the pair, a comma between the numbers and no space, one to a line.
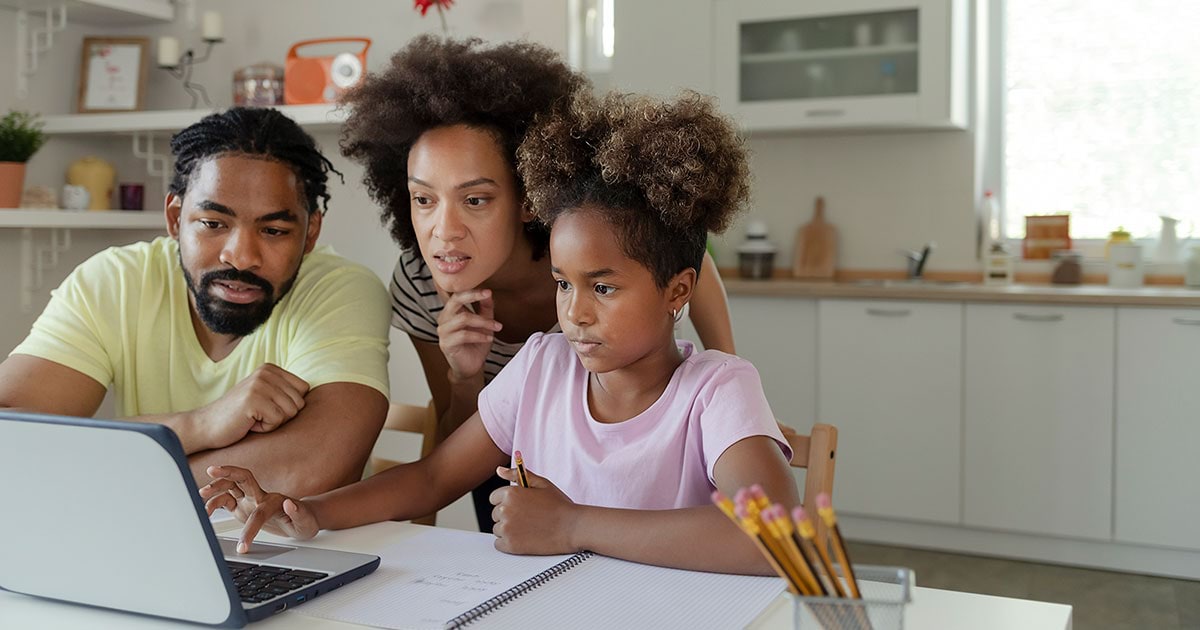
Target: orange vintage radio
(308,80)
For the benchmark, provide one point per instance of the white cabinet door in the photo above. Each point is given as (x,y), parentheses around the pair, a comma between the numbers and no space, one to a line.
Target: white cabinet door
(779,336)
(819,64)
(1039,419)
(1158,426)
(890,378)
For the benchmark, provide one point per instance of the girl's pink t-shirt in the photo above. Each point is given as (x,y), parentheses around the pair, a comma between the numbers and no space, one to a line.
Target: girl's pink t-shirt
(662,458)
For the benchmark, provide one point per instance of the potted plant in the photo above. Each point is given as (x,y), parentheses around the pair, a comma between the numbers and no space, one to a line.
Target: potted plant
(21,136)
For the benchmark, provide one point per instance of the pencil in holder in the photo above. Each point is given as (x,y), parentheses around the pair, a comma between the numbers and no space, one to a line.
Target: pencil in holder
(885,593)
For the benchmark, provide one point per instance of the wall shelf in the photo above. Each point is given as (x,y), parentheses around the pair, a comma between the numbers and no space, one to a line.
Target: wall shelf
(104,12)
(312,117)
(83,219)
(829,53)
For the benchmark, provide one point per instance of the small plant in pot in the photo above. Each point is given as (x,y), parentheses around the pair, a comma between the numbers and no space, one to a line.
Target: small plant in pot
(21,136)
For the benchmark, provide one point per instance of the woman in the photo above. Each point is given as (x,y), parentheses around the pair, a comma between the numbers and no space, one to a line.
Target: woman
(437,132)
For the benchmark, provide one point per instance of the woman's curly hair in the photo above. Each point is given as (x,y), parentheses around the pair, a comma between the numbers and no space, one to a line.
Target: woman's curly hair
(434,82)
(664,174)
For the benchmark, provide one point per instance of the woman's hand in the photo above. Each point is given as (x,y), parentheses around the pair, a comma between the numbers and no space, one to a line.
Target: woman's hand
(236,490)
(465,335)
(537,520)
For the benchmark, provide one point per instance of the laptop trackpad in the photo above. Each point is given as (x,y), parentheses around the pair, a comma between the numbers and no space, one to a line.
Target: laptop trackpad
(258,551)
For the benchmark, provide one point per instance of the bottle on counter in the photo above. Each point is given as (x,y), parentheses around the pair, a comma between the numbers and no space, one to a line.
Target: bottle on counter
(989,224)
(998,265)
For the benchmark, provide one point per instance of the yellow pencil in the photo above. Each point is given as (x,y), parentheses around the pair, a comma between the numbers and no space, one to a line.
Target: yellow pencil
(808,534)
(521,470)
(726,506)
(780,523)
(825,509)
(754,528)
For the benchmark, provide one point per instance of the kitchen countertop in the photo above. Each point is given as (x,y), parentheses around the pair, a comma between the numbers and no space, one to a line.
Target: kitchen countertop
(1095,294)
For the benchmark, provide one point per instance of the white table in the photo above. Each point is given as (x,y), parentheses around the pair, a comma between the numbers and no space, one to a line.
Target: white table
(931,609)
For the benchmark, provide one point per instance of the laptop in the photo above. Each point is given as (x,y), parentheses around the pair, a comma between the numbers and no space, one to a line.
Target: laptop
(107,514)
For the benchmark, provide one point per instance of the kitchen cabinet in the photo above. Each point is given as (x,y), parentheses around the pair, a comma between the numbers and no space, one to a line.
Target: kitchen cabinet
(890,378)
(822,64)
(779,336)
(1038,425)
(1157,498)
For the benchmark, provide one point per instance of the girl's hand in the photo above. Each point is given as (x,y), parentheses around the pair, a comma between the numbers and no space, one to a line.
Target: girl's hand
(236,490)
(537,520)
(466,335)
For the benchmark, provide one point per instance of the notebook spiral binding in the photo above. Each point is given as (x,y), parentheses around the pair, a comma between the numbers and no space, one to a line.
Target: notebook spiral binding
(483,609)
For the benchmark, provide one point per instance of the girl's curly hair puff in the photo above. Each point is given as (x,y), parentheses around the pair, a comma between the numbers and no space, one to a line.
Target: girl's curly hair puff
(434,82)
(664,174)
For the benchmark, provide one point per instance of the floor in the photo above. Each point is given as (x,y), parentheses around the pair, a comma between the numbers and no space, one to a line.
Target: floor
(1102,600)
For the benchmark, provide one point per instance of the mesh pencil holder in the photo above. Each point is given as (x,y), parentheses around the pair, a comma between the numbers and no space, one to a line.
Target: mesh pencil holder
(885,592)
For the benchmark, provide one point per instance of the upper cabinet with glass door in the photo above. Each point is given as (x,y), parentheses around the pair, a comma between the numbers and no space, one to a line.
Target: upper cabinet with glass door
(842,64)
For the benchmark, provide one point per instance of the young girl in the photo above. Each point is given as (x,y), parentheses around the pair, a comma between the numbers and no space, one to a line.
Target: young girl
(625,431)
(437,133)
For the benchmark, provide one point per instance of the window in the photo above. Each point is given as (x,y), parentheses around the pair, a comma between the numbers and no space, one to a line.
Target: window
(1100,114)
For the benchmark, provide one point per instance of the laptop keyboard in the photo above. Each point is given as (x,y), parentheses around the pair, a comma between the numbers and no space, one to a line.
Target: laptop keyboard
(259,583)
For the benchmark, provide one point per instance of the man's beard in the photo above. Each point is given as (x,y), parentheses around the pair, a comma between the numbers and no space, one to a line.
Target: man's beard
(228,318)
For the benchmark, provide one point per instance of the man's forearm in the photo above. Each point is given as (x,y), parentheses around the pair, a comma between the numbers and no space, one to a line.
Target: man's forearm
(191,435)
(324,447)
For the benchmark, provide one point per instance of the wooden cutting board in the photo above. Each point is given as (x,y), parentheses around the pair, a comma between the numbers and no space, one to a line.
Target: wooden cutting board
(816,247)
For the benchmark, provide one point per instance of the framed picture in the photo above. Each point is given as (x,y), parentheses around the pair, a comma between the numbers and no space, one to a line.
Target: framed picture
(112,76)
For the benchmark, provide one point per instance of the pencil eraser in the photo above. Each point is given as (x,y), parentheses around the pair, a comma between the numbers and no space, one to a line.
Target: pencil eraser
(799,515)
(756,491)
(742,495)
(823,501)
(740,510)
(517,454)
(717,497)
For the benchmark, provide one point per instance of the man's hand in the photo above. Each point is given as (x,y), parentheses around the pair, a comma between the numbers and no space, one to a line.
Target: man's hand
(537,520)
(236,490)
(260,403)
(464,335)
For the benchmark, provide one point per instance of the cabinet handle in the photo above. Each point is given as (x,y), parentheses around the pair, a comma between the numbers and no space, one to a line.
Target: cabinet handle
(824,113)
(1185,321)
(889,312)
(1028,317)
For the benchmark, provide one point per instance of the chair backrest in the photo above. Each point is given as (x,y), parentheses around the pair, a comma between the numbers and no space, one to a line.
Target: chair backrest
(815,453)
(409,419)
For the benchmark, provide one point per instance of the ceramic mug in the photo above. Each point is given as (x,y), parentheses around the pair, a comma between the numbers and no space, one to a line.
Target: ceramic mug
(131,196)
(76,197)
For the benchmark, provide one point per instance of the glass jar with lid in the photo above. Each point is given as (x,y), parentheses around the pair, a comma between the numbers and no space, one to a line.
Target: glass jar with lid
(258,85)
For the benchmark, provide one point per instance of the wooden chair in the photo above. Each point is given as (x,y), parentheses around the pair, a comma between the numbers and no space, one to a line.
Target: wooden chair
(815,453)
(404,418)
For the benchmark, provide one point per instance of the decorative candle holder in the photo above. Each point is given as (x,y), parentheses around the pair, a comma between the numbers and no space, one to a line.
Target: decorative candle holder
(182,70)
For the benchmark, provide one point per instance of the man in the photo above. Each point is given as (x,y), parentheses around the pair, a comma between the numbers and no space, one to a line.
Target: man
(255,349)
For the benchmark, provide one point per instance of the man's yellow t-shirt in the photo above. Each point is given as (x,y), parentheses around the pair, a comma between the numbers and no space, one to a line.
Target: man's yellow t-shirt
(123,318)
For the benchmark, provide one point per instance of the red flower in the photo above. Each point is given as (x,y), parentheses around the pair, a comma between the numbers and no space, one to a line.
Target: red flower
(423,5)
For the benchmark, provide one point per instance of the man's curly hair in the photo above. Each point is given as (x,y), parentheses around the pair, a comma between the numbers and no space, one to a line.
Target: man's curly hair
(434,82)
(663,174)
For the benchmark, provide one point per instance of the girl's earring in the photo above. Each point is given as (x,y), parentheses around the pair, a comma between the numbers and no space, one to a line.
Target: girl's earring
(676,314)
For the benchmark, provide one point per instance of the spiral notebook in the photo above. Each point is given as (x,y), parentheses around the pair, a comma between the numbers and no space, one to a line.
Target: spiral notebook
(445,578)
